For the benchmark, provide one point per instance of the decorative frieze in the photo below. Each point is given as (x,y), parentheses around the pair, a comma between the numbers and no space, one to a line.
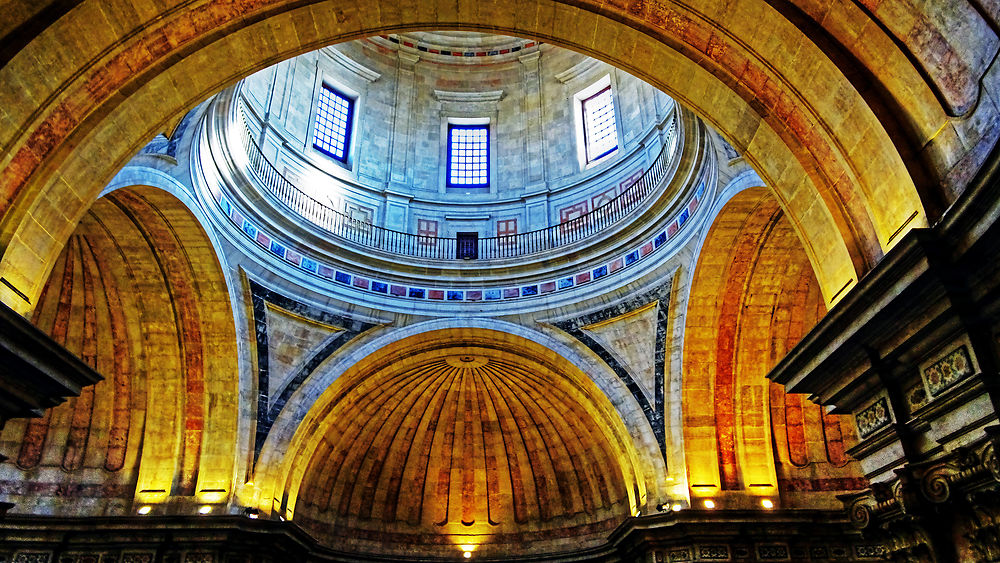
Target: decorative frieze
(955,366)
(873,418)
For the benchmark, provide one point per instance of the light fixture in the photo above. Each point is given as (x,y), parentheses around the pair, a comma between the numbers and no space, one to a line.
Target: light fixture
(709,503)
(767,503)
(676,507)
(205,509)
(467,550)
(467,555)
(251,512)
(144,510)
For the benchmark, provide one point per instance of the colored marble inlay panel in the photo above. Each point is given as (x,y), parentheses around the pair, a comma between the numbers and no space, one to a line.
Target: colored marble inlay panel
(416,293)
(603,198)
(547,287)
(511,293)
(361,282)
(947,371)
(455,295)
(873,418)
(565,283)
(436,294)
(493,294)
(277,249)
(474,295)
(529,290)
(342,277)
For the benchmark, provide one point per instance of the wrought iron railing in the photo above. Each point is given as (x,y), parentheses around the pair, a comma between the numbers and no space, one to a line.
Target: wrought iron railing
(366,234)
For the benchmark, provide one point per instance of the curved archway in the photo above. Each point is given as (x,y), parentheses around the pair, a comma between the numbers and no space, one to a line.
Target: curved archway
(491,436)
(752,298)
(139,294)
(841,153)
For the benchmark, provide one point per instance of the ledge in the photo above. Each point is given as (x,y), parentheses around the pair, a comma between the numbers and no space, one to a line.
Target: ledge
(38,373)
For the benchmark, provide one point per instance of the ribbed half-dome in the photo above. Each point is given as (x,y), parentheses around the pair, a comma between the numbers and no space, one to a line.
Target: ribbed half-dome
(462,442)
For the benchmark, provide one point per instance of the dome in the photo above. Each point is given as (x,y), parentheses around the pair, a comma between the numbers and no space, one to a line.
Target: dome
(386,221)
(453,438)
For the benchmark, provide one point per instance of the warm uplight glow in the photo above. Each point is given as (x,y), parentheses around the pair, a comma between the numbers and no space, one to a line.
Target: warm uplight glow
(467,555)
(709,503)
(144,510)
(205,509)
(767,503)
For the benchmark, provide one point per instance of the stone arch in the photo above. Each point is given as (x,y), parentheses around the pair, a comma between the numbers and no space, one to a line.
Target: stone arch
(284,461)
(139,294)
(841,148)
(753,296)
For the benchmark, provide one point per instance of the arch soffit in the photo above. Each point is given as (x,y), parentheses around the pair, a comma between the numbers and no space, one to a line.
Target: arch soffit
(841,181)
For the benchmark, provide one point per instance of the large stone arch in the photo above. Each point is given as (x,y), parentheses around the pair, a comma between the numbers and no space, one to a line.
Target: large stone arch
(753,296)
(298,431)
(140,295)
(840,137)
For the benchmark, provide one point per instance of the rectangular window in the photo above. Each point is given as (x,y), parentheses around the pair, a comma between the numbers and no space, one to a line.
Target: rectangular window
(332,131)
(600,132)
(469,156)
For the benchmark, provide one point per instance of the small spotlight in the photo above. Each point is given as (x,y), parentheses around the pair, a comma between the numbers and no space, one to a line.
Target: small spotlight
(767,503)
(677,507)
(709,503)
(251,512)
(467,555)
(662,507)
(144,510)
(205,509)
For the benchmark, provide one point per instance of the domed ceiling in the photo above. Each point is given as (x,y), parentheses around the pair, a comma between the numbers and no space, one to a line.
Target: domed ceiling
(464,445)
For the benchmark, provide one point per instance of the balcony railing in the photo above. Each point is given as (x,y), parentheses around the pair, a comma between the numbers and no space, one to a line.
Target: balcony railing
(366,234)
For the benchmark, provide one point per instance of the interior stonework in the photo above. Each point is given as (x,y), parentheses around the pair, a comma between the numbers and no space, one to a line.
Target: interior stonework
(764,327)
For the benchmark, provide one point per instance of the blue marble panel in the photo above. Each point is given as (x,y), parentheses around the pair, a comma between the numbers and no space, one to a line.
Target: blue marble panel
(277,249)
